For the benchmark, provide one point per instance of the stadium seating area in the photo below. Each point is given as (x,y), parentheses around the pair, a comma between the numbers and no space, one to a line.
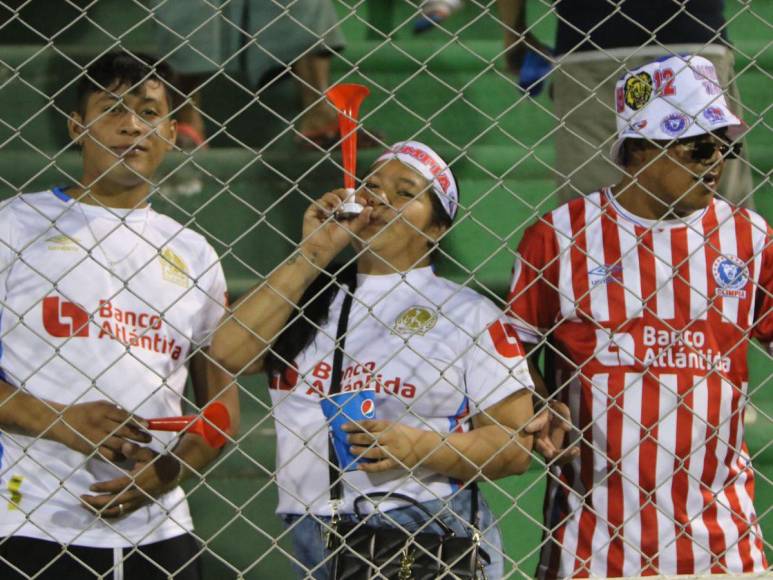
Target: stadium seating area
(448,88)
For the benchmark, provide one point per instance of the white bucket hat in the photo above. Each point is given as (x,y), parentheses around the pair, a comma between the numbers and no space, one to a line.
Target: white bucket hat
(672,98)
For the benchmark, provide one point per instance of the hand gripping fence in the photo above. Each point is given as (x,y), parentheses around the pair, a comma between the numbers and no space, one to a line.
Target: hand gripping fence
(646,318)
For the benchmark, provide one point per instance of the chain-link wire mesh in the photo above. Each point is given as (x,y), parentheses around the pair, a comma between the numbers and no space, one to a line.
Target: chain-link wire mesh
(644,309)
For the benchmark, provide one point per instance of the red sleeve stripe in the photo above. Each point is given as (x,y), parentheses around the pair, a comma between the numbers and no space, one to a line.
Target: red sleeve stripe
(759,237)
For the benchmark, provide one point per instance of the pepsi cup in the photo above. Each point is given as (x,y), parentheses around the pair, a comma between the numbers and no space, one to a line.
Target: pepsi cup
(348,407)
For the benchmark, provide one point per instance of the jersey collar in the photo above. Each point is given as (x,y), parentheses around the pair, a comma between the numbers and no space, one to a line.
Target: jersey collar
(118,214)
(653,224)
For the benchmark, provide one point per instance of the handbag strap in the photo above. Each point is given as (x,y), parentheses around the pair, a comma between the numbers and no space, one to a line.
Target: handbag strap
(334,470)
(336,485)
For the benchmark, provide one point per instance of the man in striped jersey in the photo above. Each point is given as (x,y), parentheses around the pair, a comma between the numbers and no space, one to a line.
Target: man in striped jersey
(648,292)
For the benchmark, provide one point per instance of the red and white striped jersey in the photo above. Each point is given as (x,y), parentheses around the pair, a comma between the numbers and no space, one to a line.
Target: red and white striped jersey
(649,323)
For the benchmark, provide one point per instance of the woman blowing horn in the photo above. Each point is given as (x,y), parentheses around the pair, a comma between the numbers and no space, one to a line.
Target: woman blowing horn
(453,395)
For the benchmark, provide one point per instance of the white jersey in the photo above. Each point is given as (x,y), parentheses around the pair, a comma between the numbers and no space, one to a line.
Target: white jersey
(76,328)
(435,352)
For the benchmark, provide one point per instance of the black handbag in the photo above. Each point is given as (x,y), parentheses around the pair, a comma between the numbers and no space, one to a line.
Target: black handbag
(362,552)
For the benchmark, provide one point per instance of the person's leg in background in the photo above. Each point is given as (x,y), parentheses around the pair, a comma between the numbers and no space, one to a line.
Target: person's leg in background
(192,37)
(301,37)
(318,121)
(586,125)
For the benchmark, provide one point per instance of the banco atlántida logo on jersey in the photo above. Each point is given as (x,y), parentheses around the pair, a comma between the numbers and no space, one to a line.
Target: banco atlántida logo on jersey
(354,377)
(415,320)
(136,329)
(173,268)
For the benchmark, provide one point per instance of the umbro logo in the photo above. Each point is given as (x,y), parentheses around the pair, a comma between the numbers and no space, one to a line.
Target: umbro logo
(605,275)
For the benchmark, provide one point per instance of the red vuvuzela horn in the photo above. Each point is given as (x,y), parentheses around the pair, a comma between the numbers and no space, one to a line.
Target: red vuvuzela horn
(214,419)
(347,98)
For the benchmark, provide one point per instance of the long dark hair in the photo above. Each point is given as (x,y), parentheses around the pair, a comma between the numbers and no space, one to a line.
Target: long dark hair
(314,306)
(311,313)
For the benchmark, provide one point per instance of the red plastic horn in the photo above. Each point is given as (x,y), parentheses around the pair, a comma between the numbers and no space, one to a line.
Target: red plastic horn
(347,98)
(214,419)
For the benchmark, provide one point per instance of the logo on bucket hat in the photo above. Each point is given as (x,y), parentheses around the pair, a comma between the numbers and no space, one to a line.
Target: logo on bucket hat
(714,115)
(638,90)
(674,124)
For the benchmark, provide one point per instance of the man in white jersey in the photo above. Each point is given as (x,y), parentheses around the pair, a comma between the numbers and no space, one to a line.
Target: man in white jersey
(106,305)
(648,292)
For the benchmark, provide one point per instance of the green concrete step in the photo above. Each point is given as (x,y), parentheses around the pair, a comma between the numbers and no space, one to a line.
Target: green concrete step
(415,85)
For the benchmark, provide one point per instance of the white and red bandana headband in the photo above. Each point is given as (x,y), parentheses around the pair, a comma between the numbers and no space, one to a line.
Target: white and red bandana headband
(431,167)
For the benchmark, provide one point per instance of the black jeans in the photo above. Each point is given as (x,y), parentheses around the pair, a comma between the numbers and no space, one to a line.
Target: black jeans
(22,557)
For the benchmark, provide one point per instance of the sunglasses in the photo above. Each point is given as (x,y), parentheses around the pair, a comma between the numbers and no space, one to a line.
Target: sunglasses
(704,151)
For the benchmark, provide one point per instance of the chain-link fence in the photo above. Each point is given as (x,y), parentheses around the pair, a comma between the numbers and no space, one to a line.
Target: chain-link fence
(643,306)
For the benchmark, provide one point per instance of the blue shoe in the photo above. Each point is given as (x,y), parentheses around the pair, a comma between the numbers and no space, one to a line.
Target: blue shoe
(534,71)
